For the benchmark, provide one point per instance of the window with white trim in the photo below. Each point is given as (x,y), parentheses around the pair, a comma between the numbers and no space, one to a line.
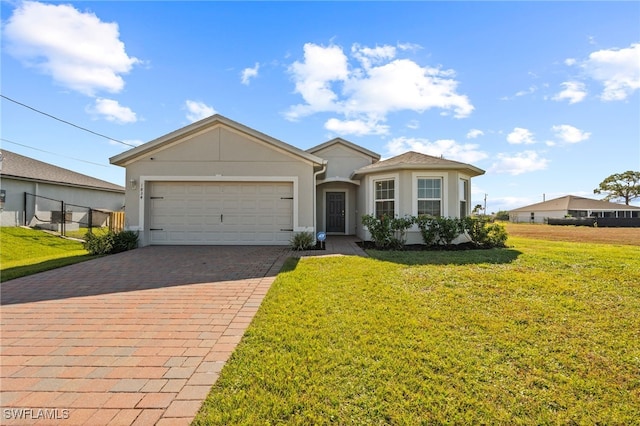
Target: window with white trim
(430,196)
(463,194)
(384,198)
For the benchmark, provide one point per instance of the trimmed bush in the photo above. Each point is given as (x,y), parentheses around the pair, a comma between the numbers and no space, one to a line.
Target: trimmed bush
(483,233)
(388,232)
(111,242)
(439,230)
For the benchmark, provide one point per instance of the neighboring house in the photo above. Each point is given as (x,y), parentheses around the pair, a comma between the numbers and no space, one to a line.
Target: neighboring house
(572,206)
(219,182)
(32,192)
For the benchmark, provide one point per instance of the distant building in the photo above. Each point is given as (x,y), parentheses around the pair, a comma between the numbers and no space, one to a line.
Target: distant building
(31,193)
(572,206)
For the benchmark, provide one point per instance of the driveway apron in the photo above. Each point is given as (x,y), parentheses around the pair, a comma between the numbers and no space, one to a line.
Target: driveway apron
(133,338)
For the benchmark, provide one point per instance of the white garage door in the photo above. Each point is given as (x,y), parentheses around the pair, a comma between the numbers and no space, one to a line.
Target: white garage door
(220,213)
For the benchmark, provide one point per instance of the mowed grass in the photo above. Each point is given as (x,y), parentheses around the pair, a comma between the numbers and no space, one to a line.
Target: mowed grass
(28,251)
(543,332)
(617,236)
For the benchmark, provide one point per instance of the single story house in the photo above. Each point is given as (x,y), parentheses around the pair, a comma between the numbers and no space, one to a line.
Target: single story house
(572,206)
(32,193)
(217,181)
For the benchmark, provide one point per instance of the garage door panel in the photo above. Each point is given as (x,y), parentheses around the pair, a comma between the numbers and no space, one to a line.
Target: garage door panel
(221,212)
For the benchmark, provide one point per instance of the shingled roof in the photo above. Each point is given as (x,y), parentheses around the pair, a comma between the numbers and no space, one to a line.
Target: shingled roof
(416,161)
(572,202)
(20,167)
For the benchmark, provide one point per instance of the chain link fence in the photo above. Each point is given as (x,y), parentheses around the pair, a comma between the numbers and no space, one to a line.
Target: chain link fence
(64,218)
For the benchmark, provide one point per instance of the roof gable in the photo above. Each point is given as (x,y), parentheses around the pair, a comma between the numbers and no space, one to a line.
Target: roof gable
(178,136)
(416,161)
(350,145)
(21,167)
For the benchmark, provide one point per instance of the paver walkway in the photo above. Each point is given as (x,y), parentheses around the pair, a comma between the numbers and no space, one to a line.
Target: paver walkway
(134,338)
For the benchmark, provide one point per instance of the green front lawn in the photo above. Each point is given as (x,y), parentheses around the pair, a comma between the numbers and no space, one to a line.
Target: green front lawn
(28,251)
(541,333)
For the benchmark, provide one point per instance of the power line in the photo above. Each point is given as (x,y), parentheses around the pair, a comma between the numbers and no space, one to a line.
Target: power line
(53,153)
(65,122)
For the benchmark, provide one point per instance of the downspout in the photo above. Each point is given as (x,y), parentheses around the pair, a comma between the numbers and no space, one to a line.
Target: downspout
(315,196)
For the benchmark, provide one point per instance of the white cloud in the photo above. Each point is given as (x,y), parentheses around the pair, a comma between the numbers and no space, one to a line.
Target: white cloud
(617,69)
(574,92)
(356,127)
(449,149)
(376,84)
(509,203)
(198,110)
(474,133)
(404,85)
(529,91)
(77,49)
(520,136)
(413,124)
(522,162)
(570,134)
(111,110)
(376,55)
(249,73)
(313,78)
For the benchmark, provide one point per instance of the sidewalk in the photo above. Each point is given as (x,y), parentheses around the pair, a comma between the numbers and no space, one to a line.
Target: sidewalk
(334,245)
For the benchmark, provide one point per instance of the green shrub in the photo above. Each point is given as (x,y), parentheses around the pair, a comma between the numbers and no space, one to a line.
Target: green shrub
(301,241)
(439,230)
(476,228)
(387,232)
(483,233)
(379,229)
(448,229)
(125,240)
(111,242)
(427,229)
(497,235)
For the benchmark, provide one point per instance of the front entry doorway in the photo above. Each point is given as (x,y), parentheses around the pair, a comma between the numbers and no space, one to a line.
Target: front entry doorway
(335,213)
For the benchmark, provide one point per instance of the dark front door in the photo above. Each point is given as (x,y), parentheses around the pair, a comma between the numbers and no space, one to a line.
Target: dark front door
(335,212)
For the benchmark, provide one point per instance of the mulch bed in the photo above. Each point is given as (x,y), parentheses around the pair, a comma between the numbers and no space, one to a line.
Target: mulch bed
(370,245)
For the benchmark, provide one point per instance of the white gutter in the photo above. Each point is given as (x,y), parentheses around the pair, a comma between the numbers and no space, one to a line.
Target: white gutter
(315,196)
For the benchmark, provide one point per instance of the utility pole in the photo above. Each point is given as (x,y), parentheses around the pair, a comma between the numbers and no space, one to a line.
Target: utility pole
(485,204)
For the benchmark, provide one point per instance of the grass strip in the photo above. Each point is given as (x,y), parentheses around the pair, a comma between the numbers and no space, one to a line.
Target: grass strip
(26,251)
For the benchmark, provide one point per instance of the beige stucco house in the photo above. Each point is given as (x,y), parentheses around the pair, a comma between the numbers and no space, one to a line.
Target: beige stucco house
(217,181)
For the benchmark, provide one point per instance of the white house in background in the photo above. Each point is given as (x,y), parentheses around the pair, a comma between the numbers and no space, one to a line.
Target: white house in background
(217,181)
(31,193)
(571,206)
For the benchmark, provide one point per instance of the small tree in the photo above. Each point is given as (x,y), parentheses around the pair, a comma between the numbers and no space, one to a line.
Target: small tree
(620,185)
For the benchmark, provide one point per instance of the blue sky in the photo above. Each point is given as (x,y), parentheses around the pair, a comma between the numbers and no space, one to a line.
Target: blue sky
(544,96)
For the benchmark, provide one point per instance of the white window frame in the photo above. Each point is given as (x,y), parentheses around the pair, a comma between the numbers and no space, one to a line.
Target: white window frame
(444,205)
(466,197)
(372,192)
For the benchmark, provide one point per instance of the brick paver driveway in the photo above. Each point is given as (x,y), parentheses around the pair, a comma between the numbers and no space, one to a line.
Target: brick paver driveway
(133,338)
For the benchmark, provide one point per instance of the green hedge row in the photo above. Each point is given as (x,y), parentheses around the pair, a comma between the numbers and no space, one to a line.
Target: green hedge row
(390,233)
